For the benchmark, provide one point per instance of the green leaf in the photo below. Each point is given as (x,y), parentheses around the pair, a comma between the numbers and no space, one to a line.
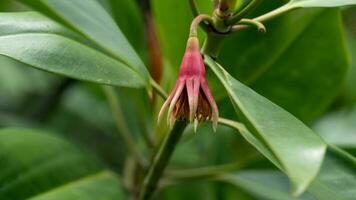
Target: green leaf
(336,180)
(130,20)
(37,41)
(98,186)
(96,24)
(262,184)
(282,64)
(39,165)
(338,128)
(298,149)
(322,3)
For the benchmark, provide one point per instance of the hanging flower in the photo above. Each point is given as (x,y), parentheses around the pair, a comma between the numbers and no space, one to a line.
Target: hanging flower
(191,99)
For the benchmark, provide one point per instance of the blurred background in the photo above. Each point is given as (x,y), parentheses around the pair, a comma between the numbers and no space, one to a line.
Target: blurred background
(306,63)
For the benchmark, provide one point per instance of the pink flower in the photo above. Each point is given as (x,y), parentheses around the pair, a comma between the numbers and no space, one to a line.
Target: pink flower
(191,99)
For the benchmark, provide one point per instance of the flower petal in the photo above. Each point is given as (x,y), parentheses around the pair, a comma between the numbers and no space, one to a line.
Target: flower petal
(196,89)
(166,103)
(190,93)
(176,94)
(163,108)
(214,107)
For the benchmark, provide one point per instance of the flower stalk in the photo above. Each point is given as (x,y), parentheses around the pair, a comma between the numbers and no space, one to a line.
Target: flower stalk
(196,22)
(161,160)
(195,12)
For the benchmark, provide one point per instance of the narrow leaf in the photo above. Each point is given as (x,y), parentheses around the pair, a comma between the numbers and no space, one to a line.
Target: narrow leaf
(39,165)
(89,18)
(339,128)
(37,41)
(299,150)
(337,181)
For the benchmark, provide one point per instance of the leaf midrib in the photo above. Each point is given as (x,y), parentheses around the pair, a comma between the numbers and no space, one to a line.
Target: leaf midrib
(66,38)
(107,51)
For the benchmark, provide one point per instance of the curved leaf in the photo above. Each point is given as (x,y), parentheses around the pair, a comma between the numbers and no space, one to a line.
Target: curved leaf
(130,20)
(263,184)
(322,3)
(337,181)
(35,40)
(298,149)
(36,164)
(94,187)
(339,128)
(281,64)
(33,22)
(89,18)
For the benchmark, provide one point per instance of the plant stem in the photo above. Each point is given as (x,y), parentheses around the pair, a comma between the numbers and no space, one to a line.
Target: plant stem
(195,23)
(208,172)
(252,5)
(258,25)
(147,136)
(226,5)
(268,16)
(233,124)
(279,11)
(158,89)
(121,125)
(161,160)
(194,7)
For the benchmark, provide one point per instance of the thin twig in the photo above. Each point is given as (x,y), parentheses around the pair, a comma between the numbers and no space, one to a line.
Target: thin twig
(208,172)
(121,125)
(147,136)
(237,17)
(158,89)
(260,27)
(268,16)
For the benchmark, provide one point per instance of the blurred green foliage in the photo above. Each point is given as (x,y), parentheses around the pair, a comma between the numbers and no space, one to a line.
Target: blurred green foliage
(303,64)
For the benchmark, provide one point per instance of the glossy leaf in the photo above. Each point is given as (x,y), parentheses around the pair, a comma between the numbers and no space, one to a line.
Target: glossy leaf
(130,20)
(337,180)
(338,128)
(322,3)
(263,184)
(283,63)
(98,186)
(37,41)
(299,150)
(43,166)
(96,24)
